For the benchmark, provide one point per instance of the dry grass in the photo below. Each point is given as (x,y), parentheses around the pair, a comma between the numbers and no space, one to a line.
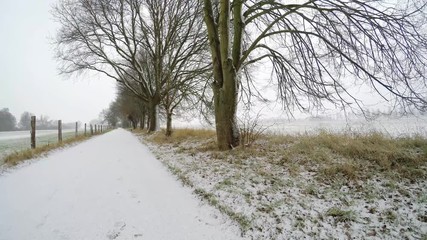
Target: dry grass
(179,135)
(20,156)
(331,155)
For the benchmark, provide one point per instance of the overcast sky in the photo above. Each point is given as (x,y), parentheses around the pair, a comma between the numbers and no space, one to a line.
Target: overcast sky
(29,78)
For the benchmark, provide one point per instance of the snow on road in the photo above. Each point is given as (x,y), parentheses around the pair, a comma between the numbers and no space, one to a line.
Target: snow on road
(109,187)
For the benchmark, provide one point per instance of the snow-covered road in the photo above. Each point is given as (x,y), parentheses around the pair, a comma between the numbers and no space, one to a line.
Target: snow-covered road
(109,187)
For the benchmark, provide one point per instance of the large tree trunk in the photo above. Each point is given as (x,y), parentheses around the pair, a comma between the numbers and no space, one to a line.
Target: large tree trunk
(153,119)
(168,123)
(227,131)
(153,114)
(225,87)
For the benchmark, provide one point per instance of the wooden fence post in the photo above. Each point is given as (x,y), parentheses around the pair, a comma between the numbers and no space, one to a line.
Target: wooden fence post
(59,130)
(76,128)
(33,132)
(91,130)
(95,129)
(85,129)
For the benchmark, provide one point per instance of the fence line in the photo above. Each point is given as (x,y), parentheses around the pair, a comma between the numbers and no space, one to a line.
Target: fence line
(98,129)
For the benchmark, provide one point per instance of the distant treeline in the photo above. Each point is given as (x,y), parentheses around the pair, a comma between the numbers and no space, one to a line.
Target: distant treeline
(8,122)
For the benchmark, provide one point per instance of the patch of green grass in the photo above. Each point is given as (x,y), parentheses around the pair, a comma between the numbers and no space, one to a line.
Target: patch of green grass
(422,217)
(390,215)
(312,189)
(340,215)
(422,199)
(242,220)
(299,223)
(181,176)
(224,184)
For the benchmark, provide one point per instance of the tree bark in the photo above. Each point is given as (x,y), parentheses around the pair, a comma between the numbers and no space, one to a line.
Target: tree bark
(168,123)
(227,131)
(153,115)
(153,119)
(225,86)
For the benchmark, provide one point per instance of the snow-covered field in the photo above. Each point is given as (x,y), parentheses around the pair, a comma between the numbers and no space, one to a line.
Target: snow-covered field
(26,134)
(20,140)
(394,127)
(109,187)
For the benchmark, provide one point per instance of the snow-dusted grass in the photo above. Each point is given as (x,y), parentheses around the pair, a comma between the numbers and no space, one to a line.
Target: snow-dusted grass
(317,186)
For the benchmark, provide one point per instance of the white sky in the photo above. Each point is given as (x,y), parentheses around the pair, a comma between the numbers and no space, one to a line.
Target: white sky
(29,78)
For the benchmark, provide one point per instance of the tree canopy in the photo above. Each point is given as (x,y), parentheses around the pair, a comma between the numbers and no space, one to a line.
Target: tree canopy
(25,121)
(151,47)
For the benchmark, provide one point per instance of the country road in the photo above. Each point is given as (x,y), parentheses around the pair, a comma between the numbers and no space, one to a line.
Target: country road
(109,187)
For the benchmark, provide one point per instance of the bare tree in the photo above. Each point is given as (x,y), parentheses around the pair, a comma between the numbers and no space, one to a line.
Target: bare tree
(105,36)
(25,121)
(131,106)
(139,43)
(185,86)
(318,49)
(180,56)
(111,115)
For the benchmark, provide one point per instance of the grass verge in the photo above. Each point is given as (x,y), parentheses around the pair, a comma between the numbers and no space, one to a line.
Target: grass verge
(292,186)
(352,156)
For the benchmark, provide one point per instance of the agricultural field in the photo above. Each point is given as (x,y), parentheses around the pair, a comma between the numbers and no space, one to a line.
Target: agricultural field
(407,126)
(393,127)
(20,140)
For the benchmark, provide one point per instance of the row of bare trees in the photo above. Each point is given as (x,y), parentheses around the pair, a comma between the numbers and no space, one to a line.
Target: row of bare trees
(167,52)
(126,110)
(154,49)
